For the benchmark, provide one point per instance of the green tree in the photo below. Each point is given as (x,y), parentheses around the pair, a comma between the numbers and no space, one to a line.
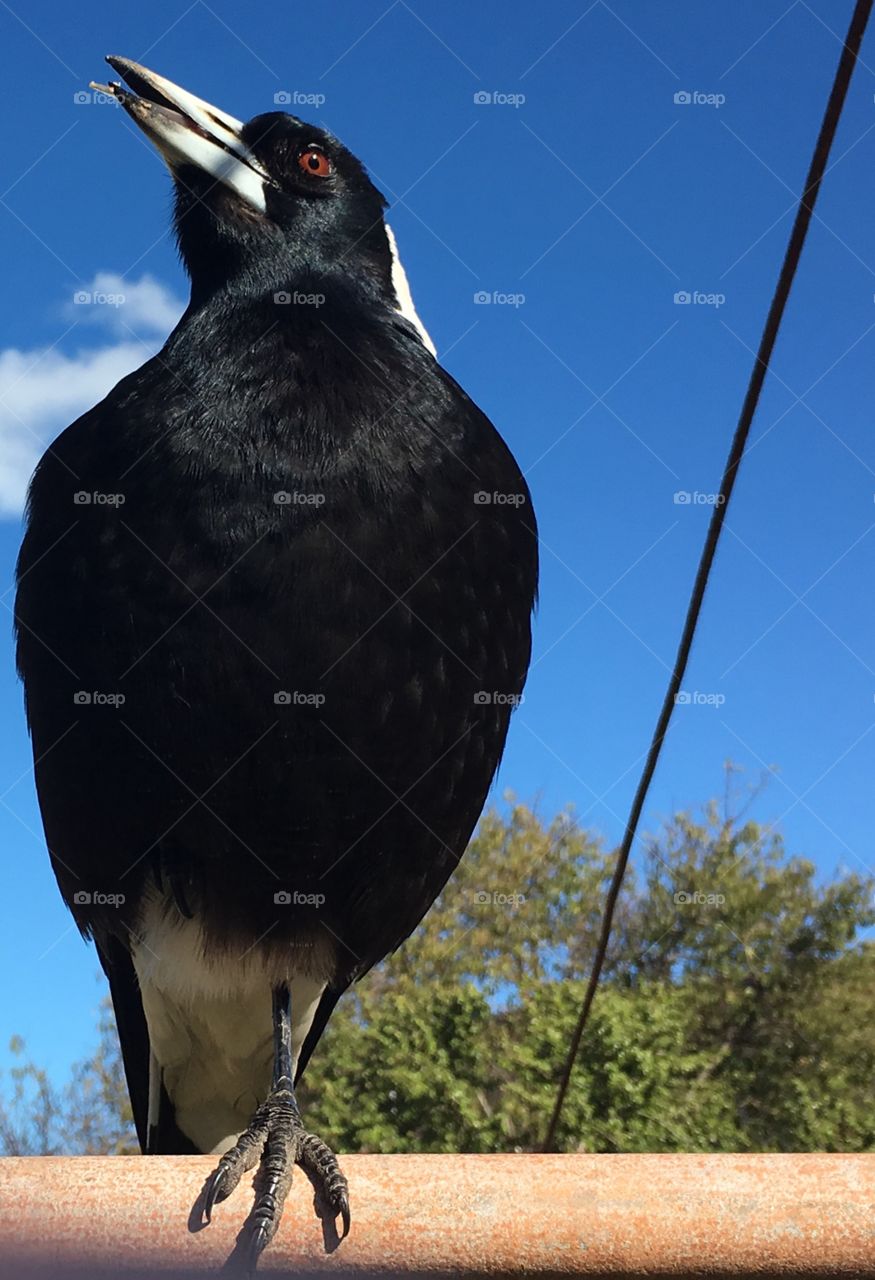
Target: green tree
(90,1115)
(29,1109)
(710,1030)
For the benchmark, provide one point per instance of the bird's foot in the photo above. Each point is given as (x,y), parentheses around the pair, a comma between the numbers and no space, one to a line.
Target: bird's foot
(276,1140)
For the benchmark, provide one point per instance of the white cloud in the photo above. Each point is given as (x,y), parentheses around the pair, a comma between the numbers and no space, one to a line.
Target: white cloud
(42,390)
(126,306)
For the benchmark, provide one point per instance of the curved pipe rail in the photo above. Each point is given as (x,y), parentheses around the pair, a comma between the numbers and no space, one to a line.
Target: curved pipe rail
(435,1215)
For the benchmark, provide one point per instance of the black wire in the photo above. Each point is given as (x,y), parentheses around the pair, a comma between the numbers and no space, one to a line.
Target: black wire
(831,118)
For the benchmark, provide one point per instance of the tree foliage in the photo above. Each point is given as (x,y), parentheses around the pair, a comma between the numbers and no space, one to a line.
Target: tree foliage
(91,1114)
(734,1012)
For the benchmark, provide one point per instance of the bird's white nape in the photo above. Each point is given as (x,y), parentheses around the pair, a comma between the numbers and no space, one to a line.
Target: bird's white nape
(401,285)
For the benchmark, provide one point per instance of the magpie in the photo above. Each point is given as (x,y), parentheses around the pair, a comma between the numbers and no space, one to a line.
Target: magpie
(273,613)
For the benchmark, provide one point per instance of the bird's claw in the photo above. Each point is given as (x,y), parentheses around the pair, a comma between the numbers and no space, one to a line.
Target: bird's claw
(344,1215)
(213,1192)
(277,1141)
(332,1189)
(336,1197)
(258,1241)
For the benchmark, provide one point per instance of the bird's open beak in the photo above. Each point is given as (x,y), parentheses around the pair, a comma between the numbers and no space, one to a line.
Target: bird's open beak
(188,131)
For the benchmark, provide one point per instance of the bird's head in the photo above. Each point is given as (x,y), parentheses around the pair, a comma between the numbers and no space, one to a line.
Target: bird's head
(259,202)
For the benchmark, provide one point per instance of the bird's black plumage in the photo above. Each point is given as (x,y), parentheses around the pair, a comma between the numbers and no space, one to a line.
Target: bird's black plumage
(287,571)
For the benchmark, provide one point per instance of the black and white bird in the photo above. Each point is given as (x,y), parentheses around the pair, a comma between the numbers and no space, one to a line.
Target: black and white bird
(273,613)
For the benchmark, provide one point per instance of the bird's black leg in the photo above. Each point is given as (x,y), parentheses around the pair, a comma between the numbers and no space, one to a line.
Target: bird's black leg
(276,1140)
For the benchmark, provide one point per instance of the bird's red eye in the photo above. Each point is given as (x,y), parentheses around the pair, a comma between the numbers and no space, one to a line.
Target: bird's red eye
(315,162)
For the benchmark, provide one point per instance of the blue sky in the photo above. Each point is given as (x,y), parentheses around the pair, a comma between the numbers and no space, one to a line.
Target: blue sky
(581,199)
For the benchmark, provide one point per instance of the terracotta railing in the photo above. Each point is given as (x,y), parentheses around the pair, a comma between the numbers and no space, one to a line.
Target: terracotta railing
(609,1215)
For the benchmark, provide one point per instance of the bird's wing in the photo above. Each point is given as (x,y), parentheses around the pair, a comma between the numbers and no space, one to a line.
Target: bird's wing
(130,1022)
(162,1137)
(324,1010)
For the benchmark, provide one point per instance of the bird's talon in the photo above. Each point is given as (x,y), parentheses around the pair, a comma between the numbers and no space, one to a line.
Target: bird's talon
(258,1242)
(214,1188)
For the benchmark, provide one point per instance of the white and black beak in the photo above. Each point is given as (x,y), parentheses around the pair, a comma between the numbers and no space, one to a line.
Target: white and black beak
(188,131)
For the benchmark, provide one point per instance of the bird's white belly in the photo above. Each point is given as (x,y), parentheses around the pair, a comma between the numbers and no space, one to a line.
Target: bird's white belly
(210,1025)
